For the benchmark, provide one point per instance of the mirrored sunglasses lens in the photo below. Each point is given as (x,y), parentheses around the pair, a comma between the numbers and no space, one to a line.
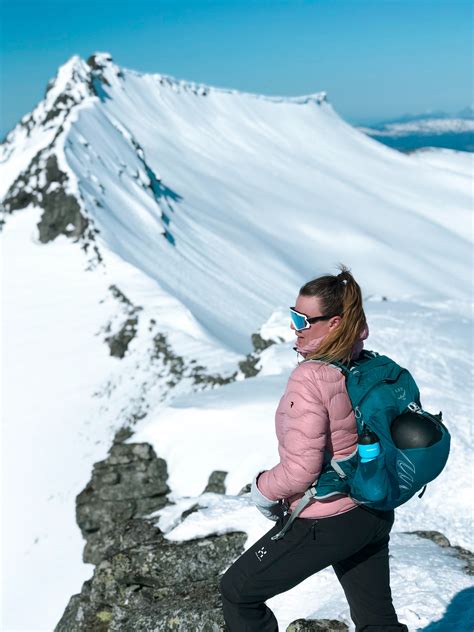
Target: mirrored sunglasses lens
(298,321)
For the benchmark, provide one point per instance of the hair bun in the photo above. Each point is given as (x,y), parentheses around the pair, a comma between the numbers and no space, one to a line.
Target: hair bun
(341,279)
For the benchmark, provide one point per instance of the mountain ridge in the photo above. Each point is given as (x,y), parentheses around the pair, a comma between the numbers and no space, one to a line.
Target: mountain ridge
(175,185)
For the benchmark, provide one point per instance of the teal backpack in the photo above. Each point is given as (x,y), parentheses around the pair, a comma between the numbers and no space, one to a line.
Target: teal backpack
(380,390)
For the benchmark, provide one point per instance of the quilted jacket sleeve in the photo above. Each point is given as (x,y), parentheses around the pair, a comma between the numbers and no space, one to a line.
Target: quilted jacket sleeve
(302,425)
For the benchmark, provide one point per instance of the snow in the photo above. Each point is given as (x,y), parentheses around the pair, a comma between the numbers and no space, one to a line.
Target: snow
(427,126)
(262,194)
(20,145)
(50,437)
(460,162)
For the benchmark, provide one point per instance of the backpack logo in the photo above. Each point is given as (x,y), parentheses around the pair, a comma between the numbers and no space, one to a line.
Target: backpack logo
(291,404)
(400,392)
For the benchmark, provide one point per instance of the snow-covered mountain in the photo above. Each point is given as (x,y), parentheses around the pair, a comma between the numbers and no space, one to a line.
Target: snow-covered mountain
(431,129)
(150,227)
(174,165)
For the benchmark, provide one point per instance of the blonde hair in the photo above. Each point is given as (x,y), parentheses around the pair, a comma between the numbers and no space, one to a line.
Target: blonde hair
(339,295)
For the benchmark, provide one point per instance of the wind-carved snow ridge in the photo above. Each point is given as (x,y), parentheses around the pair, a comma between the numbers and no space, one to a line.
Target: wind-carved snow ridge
(47,181)
(70,87)
(163,195)
(202,89)
(76,82)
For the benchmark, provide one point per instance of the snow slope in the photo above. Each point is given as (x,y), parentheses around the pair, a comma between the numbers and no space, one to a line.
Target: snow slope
(212,207)
(460,162)
(225,175)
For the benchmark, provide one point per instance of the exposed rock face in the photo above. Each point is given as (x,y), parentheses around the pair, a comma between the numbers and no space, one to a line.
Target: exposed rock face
(216,482)
(178,368)
(317,625)
(260,344)
(130,483)
(119,340)
(149,583)
(249,367)
(44,184)
(143,581)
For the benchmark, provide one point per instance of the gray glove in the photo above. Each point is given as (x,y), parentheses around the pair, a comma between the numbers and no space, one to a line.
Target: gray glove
(271,509)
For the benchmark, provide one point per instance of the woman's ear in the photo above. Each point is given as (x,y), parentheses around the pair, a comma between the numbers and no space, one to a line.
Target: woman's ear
(334,322)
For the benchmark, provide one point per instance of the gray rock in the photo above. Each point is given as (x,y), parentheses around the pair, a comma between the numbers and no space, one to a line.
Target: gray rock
(317,625)
(435,536)
(43,184)
(130,483)
(216,482)
(178,368)
(249,365)
(142,581)
(246,489)
(61,209)
(149,583)
(259,343)
(119,342)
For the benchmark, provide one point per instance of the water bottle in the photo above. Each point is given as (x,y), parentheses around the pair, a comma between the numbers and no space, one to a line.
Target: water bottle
(371,474)
(368,446)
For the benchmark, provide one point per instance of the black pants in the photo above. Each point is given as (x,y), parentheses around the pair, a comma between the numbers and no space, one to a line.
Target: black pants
(355,543)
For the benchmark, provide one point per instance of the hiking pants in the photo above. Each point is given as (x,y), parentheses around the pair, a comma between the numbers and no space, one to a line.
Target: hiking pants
(354,543)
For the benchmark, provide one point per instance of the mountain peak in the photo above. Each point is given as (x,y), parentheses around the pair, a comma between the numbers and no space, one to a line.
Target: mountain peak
(100,60)
(75,81)
(74,72)
(102,66)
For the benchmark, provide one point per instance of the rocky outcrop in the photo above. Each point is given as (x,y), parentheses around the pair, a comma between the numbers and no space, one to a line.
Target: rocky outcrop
(129,484)
(317,625)
(148,583)
(44,184)
(142,581)
(119,340)
(216,482)
(249,367)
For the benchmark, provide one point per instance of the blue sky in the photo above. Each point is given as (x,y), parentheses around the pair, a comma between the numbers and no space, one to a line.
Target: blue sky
(376,58)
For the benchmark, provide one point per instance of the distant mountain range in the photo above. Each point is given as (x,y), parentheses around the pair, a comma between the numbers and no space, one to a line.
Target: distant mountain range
(430,129)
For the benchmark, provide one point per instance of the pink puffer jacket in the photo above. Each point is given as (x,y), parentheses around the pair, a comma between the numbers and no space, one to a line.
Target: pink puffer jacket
(314,421)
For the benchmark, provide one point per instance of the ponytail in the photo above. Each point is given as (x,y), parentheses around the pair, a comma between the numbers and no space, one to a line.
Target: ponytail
(339,295)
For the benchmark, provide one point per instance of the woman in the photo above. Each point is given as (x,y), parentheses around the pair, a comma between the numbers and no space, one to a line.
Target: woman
(314,422)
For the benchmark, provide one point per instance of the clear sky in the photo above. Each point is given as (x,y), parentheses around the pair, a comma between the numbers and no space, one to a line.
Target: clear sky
(376,59)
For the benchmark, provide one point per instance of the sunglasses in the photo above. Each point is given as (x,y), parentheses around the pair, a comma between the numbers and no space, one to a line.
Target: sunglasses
(301,321)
